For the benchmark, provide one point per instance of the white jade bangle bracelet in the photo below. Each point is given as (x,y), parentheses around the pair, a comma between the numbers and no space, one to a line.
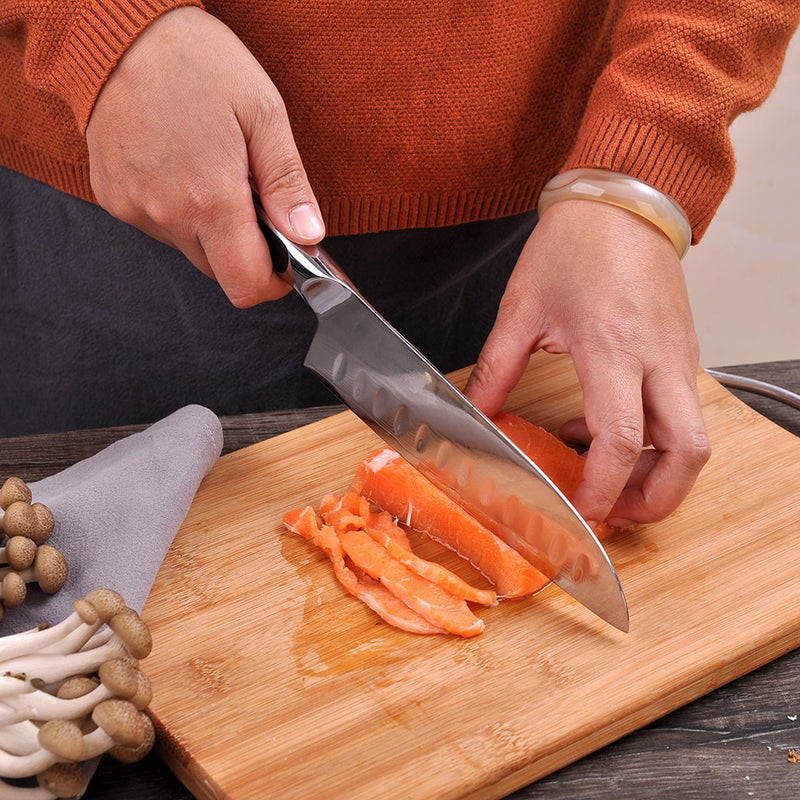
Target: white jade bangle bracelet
(623,191)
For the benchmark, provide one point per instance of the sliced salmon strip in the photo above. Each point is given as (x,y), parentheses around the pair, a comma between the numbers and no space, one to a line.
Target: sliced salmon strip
(379,525)
(390,482)
(350,512)
(345,513)
(563,465)
(385,604)
(428,599)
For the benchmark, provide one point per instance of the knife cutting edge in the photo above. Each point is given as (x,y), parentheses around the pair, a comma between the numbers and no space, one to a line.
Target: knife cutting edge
(395,390)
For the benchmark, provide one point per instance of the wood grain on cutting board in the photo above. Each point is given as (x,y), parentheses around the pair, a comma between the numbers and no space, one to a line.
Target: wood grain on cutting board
(271,682)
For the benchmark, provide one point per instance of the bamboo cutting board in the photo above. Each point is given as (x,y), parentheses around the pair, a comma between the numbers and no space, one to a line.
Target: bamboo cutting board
(271,682)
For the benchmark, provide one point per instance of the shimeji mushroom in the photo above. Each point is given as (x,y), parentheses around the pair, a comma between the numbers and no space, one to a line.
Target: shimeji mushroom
(118,678)
(49,570)
(35,521)
(18,552)
(60,780)
(127,635)
(72,692)
(12,490)
(28,526)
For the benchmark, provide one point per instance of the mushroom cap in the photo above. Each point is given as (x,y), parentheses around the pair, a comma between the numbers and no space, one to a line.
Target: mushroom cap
(77,686)
(19,519)
(14,590)
(122,721)
(106,601)
(133,632)
(50,568)
(12,490)
(144,691)
(20,552)
(130,755)
(63,780)
(45,523)
(62,737)
(86,611)
(119,677)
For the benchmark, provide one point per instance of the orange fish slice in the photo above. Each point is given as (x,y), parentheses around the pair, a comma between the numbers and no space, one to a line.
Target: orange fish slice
(563,465)
(428,599)
(379,524)
(390,482)
(373,594)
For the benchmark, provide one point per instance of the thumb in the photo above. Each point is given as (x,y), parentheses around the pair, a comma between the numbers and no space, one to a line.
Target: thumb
(499,367)
(281,180)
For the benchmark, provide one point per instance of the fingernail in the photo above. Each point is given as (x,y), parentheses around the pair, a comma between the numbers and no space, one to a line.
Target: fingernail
(306,221)
(619,522)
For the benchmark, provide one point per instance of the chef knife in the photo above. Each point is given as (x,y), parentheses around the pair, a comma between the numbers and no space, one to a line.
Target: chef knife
(401,395)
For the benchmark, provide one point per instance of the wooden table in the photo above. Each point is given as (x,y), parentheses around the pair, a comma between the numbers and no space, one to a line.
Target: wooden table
(732,743)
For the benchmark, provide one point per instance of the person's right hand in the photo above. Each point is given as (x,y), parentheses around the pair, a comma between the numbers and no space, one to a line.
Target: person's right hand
(184,119)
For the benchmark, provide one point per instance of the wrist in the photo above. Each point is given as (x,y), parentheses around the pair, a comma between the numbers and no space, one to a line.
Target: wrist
(623,191)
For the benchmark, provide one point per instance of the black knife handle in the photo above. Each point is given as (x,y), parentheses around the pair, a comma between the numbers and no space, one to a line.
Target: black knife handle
(278,253)
(298,264)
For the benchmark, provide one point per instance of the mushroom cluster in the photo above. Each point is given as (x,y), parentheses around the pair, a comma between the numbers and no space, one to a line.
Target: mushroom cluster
(25,526)
(71,692)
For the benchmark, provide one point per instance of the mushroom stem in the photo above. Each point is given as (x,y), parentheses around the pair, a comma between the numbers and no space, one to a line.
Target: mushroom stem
(20,738)
(13,684)
(30,641)
(119,679)
(53,667)
(84,637)
(12,766)
(97,607)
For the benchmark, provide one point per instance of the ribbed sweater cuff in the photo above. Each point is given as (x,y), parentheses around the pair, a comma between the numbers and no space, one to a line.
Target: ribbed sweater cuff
(97,41)
(626,146)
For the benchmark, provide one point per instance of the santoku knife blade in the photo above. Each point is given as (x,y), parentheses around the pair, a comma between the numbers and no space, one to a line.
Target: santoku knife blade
(403,397)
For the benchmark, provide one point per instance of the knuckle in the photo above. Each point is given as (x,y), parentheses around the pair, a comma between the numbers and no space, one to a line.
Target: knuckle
(698,450)
(288,178)
(626,440)
(482,373)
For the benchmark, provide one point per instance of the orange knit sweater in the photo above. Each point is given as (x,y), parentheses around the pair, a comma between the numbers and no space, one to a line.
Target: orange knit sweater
(412,114)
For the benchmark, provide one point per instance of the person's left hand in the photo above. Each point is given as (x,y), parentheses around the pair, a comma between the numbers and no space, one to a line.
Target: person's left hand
(607,287)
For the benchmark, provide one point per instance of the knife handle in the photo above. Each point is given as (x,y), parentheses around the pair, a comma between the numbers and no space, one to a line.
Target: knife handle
(298,264)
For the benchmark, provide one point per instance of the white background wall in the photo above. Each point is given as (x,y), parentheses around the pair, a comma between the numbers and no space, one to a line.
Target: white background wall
(744,276)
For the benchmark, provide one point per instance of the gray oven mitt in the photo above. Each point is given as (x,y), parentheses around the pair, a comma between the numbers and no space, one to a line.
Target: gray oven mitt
(118,512)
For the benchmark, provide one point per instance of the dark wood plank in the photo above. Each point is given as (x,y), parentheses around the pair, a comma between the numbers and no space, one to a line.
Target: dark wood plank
(34,457)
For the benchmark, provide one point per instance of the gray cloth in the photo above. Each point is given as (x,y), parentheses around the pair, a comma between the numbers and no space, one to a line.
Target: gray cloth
(118,512)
